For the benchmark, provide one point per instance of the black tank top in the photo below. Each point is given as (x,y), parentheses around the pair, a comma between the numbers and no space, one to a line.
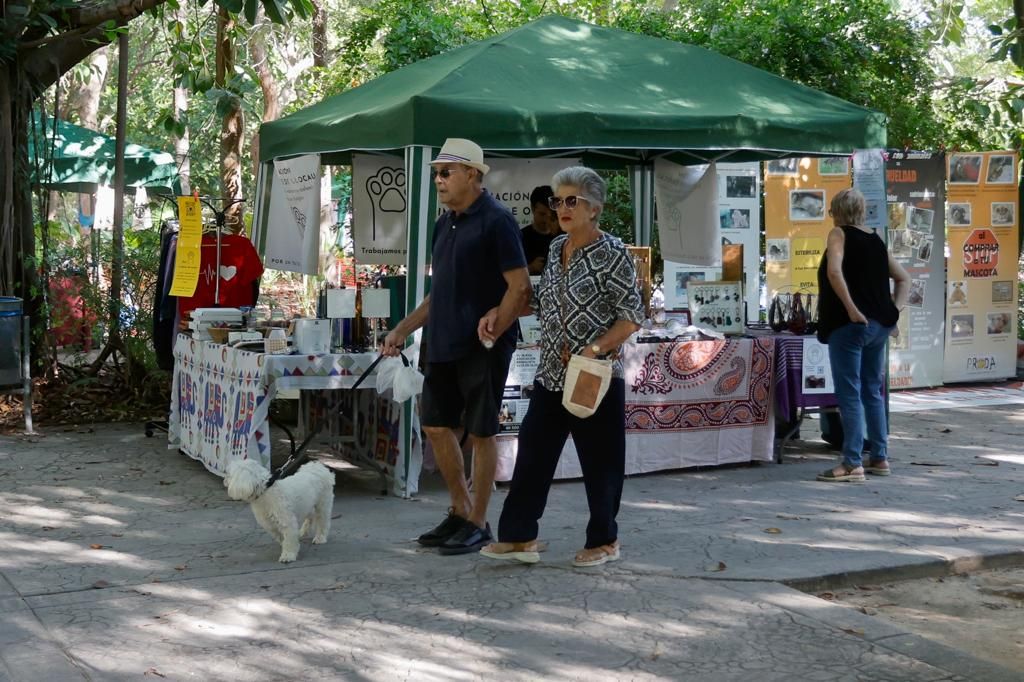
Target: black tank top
(866,271)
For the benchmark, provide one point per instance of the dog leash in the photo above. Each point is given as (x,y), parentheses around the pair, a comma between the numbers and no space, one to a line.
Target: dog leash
(299,456)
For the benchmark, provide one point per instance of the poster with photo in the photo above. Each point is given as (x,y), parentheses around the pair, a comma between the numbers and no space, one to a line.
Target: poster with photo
(796,210)
(817,372)
(1004,213)
(806,204)
(740,223)
(958,215)
(964,169)
(777,250)
(782,167)
(981,297)
(915,186)
(1002,169)
(518,389)
(834,165)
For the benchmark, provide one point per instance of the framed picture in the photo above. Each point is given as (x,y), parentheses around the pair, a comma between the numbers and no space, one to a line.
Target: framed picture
(999,323)
(1002,291)
(1001,170)
(920,219)
(782,167)
(806,204)
(964,169)
(777,250)
(834,165)
(717,305)
(958,215)
(740,187)
(734,218)
(961,326)
(1004,213)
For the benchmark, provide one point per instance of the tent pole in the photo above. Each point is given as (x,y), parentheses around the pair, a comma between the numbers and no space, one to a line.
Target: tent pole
(641,188)
(261,207)
(420,209)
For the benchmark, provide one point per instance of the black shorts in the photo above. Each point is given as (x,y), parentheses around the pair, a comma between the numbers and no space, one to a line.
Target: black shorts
(473,385)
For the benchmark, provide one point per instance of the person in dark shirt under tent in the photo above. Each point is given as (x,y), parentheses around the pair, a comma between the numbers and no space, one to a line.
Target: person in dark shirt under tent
(538,235)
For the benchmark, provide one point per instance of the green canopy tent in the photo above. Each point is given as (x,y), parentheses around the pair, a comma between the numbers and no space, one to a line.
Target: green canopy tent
(70,158)
(558,86)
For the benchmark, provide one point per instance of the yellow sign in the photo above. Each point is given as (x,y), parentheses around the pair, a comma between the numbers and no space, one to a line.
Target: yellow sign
(190,237)
(807,253)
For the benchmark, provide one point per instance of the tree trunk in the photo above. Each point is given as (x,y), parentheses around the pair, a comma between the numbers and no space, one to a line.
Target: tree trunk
(181,142)
(86,103)
(271,92)
(231,126)
(319,34)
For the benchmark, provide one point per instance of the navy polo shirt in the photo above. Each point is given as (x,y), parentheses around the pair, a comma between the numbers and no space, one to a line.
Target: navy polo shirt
(471,252)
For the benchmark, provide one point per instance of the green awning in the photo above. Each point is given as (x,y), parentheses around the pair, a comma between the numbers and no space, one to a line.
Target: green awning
(83,159)
(561,85)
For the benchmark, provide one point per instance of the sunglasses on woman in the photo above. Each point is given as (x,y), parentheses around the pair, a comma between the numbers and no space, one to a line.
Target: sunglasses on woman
(554,203)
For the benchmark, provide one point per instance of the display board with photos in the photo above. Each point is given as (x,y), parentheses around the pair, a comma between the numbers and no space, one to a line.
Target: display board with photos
(915,185)
(797,193)
(739,213)
(716,305)
(981,288)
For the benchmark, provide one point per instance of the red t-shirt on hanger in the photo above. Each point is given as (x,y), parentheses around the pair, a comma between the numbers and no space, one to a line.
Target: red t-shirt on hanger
(240,266)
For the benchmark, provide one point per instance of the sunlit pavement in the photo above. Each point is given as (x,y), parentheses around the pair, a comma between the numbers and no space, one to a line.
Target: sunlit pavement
(123,560)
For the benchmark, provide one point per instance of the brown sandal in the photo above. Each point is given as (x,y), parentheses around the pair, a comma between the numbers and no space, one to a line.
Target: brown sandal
(595,556)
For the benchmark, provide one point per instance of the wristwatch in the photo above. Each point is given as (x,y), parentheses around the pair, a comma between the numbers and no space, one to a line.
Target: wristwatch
(595,348)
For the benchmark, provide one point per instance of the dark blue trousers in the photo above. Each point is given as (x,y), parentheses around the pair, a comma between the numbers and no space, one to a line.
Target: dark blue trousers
(601,444)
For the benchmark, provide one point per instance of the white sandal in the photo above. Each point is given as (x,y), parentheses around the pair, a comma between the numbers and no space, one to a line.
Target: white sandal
(595,556)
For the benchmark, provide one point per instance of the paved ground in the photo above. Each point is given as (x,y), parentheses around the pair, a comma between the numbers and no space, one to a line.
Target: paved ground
(120,560)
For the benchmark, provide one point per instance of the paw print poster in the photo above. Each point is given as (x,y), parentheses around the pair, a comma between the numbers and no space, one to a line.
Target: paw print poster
(378,209)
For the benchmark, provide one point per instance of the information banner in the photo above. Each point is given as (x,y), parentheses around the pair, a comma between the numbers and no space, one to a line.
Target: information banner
(688,220)
(981,294)
(518,389)
(916,196)
(293,230)
(739,216)
(797,193)
(817,371)
(190,238)
(379,230)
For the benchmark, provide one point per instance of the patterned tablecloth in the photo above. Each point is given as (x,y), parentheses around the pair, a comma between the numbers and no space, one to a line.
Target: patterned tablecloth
(692,403)
(221,395)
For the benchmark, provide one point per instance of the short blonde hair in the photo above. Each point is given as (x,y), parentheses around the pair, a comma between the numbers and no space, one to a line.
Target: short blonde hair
(847,207)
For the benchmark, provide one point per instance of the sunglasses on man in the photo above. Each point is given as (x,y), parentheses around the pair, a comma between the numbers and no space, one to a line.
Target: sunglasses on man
(554,203)
(443,173)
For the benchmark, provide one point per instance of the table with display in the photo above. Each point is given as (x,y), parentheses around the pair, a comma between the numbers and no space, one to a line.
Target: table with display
(221,395)
(688,404)
(797,395)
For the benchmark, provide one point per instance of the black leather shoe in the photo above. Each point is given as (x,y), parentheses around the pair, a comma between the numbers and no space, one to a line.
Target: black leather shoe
(436,537)
(469,538)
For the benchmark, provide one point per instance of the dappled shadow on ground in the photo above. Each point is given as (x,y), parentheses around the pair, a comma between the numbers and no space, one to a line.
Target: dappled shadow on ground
(108,532)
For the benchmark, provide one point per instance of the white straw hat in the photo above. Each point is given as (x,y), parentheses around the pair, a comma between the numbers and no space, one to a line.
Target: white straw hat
(466,152)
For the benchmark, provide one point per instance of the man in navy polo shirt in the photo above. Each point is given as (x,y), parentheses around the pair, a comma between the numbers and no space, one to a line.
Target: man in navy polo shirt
(478,263)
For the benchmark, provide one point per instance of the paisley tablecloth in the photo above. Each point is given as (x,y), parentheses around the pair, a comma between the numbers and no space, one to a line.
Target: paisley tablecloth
(692,403)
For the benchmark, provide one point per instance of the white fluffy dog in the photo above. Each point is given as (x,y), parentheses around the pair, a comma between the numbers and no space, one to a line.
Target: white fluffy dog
(289,508)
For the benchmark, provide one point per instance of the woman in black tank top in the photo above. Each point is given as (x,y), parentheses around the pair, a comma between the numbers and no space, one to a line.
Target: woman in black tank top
(857,314)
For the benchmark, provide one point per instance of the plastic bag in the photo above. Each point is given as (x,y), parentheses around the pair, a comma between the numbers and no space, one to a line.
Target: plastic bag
(407,383)
(386,372)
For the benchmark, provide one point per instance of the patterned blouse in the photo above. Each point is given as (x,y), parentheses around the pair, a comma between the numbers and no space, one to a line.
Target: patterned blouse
(601,290)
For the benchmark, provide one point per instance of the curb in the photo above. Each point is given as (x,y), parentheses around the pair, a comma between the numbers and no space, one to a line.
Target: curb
(930,569)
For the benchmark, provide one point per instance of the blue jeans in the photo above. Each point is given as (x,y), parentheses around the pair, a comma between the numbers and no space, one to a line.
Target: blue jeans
(857,353)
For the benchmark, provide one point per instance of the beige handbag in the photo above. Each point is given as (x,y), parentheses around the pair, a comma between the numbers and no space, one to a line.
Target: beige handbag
(586,382)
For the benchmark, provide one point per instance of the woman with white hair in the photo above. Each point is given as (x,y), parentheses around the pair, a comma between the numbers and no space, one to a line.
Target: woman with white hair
(856,315)
(588,303)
